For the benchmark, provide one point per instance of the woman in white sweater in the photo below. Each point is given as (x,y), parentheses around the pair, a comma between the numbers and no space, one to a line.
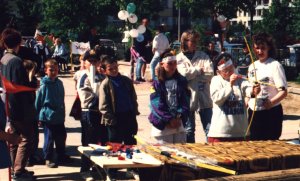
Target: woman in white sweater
(228,89)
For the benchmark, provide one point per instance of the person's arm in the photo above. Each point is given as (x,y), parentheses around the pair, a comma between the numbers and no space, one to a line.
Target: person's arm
(219,93)
(105,103)
(186,68)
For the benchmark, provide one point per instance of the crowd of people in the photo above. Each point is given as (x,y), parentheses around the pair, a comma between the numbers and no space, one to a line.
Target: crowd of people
(182,83)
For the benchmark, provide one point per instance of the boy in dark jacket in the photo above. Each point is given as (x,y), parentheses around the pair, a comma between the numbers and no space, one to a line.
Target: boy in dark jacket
(118,104)
(50,106)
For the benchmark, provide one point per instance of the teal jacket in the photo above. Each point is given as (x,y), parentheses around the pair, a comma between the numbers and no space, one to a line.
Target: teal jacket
(49,102)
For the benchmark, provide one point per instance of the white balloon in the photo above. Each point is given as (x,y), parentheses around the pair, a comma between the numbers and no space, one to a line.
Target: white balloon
(141,29)
(132,18)
(134,33)
(126,34)
(221,18)
(122,15)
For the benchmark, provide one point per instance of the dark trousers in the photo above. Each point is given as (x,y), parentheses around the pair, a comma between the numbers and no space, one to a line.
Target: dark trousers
(266,124)
(91,132)
(124,130)
(54,133)
(20,153)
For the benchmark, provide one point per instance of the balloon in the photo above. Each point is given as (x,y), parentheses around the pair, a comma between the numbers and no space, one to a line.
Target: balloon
(140,38)
(132,18)
(134,33)
(141,29)
(221,18)
(122,15)
(131,8)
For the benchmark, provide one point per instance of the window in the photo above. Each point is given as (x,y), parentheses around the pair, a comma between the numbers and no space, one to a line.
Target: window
(245,13)
(259,12)
(164,3)
(259,2)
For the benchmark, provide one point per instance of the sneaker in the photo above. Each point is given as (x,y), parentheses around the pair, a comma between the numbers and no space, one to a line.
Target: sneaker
(140,80)
(86,176)
(51,164)
(25,176)
(65,159)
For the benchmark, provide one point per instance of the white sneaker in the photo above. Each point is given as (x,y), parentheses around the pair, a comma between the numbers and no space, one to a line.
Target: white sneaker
(87,176)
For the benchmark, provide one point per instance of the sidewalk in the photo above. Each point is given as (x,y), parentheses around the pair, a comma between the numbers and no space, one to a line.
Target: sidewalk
(71,172)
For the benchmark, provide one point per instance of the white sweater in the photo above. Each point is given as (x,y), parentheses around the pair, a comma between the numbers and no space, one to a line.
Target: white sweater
(229,117)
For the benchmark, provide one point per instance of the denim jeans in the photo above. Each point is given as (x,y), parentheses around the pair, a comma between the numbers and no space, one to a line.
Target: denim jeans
(155,60)
(138,70)
(190,126)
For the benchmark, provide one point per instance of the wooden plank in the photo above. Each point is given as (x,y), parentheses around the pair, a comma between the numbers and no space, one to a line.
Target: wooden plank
(282,175)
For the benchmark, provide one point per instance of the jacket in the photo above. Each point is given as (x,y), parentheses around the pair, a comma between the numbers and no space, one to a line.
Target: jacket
(21,106)
(107,103)
(160,114)
(198,82)
(50,102)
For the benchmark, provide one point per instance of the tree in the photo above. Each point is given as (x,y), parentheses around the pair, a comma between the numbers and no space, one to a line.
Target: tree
(4,15)
(295,23)
(70,17)
(28,15)
(276,21)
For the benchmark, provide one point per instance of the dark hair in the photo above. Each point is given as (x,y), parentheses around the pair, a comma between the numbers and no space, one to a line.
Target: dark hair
(106,60)
(186,36)
(11,38)
(161,73)
(223,56)
(265,38)
(91,56)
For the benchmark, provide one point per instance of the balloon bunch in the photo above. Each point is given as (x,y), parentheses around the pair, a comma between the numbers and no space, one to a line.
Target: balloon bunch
(132,18)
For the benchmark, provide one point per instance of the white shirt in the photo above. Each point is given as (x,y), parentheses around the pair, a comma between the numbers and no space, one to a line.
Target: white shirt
(160,43)
(272,73)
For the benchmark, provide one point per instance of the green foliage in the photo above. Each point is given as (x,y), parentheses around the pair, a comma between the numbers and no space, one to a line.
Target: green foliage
(29,14)
(295,23)
(4,15)
(276,21)
(74,16)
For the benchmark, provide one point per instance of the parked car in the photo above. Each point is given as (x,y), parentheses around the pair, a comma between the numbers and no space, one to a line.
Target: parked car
(290,59)
(108,47)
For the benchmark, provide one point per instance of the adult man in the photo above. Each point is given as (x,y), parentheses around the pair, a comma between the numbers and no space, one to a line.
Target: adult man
(21,103)
(41,49)
(141,48)
(160,44)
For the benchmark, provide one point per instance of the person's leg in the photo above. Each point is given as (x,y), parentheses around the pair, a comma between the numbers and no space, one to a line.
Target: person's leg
(179,137)
(205,116)
(190,128)
(60,137)
(155,60)
(144,67)
(275,119)
(24,149)
(258,128)
(48,142)
(139,64)
(85,162)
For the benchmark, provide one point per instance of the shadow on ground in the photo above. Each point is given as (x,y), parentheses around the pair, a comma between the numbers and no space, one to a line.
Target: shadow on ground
(291,117)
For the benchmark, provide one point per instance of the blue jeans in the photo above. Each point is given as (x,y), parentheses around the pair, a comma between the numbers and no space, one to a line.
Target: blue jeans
(155,60)
(138,70)
(190,125)
(54,134)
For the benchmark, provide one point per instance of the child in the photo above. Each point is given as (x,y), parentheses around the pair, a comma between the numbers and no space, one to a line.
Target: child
(118,104)
(34,158)
(50,106)
(169,102)
(91,129)
(229,119)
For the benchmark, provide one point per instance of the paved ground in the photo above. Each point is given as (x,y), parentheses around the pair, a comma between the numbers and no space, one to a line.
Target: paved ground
(71,172)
